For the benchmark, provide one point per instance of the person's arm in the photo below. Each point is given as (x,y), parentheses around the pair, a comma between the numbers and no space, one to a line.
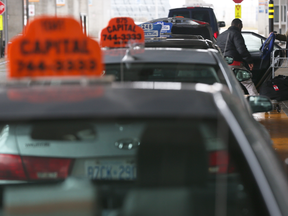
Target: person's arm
(281,37)
(241,48)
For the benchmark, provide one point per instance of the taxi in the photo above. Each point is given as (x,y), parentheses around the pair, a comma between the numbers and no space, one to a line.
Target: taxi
(138,63)
(180,147)
(181,25)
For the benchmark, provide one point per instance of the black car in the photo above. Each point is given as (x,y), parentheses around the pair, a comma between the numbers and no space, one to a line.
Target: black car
(204,14)
(178,42)
(188,26)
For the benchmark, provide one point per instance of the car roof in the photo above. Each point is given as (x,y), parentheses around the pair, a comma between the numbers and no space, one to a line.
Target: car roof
(163,55)
(181,43)
(186,36)
(131,99)
(175,20)
(192,7)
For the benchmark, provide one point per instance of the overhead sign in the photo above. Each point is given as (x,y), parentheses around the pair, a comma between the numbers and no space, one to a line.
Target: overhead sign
(54,46)
(120,31)
(237,1)
(238,11)
(151,30)
(2,8)
(60,2)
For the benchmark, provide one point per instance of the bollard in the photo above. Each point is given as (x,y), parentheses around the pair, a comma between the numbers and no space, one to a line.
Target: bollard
(271,16)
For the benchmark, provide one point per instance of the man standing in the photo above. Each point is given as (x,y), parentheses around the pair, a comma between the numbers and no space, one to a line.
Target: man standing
(231,43)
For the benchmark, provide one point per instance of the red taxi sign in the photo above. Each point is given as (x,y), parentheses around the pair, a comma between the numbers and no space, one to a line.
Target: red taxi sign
(54,46)
(119,32)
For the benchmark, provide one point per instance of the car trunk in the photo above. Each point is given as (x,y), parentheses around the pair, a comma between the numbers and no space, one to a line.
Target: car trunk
(56,150)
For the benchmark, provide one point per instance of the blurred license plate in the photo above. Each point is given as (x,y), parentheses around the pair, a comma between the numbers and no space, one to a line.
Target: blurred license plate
(111,169)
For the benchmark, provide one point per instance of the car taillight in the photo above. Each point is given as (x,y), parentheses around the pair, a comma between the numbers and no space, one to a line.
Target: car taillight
(11,167)
(216,34)
(219,162)
(15,167)
(201,22)
(46,168)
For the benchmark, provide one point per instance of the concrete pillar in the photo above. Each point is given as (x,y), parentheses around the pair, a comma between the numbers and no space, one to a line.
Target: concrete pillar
(99,16)
(15,17)
(263,20)
(46,7)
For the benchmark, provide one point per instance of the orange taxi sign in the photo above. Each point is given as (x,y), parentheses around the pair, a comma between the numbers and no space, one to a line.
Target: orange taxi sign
(120,31)
(53,46)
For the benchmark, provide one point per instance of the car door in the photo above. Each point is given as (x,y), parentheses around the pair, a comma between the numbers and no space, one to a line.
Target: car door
(253,43)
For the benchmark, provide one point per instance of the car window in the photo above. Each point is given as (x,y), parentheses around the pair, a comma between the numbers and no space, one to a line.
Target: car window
(184,14)
(252,42)
(191,153)
(201,15)
(164,72)
(63,131)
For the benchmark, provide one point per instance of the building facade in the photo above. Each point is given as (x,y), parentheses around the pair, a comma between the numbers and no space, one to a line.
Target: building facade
(140,10)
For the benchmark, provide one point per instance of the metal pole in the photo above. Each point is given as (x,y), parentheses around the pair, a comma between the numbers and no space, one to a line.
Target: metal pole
(55,7)
(280,16)
(6,24)
(27,11)
(84,20)
(271,16)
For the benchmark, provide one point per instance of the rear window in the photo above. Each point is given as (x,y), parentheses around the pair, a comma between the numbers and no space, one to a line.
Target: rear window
(63,131)
(165,72)
(201,15)
(184,14)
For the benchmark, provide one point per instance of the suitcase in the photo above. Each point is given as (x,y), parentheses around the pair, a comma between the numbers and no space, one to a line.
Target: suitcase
(276,88)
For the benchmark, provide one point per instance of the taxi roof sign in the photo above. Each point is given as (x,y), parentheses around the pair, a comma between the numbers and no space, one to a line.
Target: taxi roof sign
(120,31)
(52,46)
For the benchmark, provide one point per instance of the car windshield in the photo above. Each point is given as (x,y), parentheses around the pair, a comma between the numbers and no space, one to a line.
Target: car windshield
(167,155)
(171,72)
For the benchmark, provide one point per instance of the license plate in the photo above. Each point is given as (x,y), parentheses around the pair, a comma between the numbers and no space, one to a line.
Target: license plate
(111,169)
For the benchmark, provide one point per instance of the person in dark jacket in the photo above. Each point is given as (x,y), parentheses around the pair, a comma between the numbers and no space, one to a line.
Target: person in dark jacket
(232,44)
(282,37)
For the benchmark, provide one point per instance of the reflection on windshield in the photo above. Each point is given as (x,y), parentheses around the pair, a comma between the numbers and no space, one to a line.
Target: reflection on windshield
(181,159)
(164,72)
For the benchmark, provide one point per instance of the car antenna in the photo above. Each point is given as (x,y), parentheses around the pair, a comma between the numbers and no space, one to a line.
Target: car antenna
(128,56)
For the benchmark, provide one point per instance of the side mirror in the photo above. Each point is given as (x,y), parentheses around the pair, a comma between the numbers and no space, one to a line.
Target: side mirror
(241,74)
(260,103)
(221,24)
(229,60)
